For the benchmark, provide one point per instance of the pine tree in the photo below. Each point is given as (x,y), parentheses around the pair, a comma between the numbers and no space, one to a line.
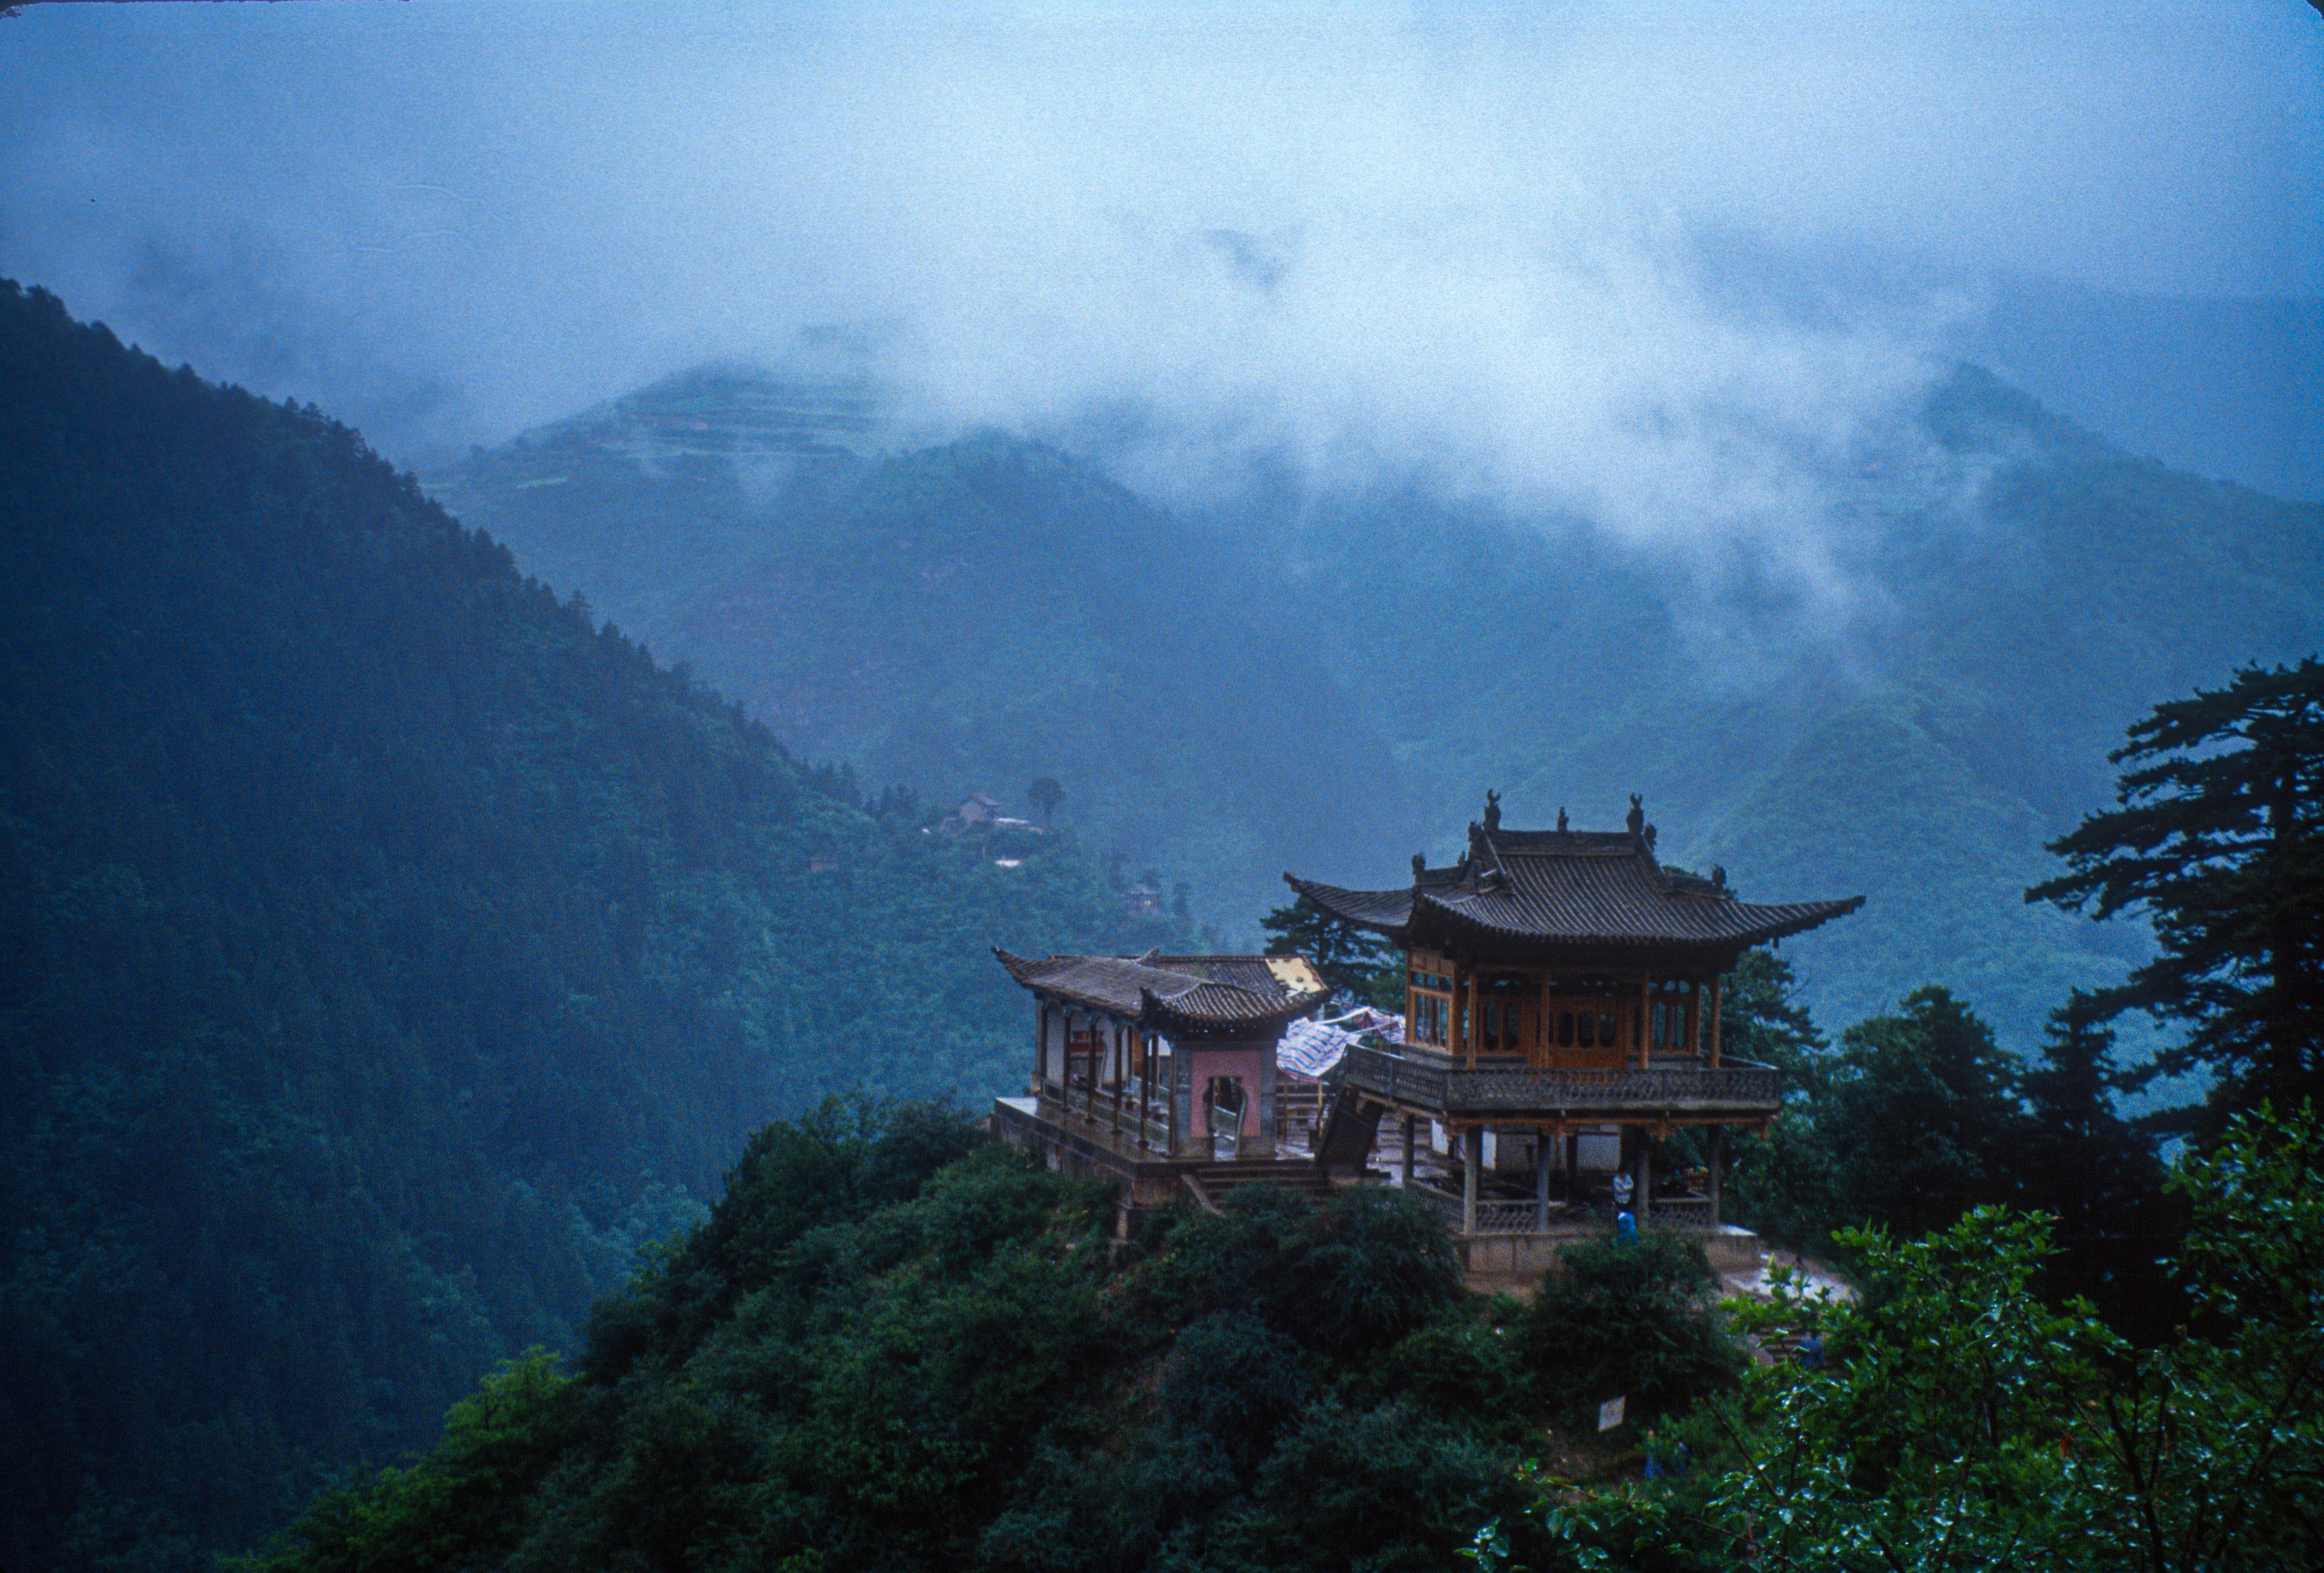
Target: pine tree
(1921,1113)
(2097,1175)
(1355,962)
(2219,843)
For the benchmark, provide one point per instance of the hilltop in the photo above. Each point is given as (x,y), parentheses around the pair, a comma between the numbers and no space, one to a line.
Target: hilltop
(392,950)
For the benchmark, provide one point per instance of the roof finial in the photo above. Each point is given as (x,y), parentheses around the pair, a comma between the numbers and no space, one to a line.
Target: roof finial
(1637,818)
(1561,819)
(1650,838)
(1492,811)
(1419,866)
(1719,875)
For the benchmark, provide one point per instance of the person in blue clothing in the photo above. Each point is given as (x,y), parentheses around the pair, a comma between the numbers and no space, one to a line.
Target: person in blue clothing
(1664,1460)
(1811,1351)
(1625,1228)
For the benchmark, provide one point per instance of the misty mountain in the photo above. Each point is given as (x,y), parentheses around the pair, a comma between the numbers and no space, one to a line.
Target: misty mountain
(392,950)
(1328,682)
(2231,388)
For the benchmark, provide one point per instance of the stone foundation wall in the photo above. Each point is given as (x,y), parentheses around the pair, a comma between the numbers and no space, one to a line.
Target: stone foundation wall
(1523,1256)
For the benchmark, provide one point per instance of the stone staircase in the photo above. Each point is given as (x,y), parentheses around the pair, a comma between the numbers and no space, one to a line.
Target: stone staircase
(1212,1182)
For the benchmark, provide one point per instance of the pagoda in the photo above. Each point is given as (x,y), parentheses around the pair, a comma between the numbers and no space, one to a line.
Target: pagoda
(1559,983)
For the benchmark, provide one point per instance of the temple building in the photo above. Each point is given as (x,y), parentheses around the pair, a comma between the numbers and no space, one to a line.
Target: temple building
(1151,1069)
(1563,990)
(1560,985)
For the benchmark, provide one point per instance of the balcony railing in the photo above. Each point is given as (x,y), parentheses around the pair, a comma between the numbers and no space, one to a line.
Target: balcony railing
(1493,1217)
(1423,1078)
(1135,1119)
(1499,1215)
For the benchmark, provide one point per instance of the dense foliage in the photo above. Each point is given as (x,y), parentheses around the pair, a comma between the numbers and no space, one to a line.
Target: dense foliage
(1918,1117)
(1361,968)
(1958,1420)
(2219,842)
(858,1362)
(1921,1115)
(389,950)
(1627,1316)
(865,1360)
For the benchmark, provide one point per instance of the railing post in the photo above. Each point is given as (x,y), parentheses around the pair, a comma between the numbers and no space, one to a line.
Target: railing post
(1472,1158)
(1541,1140)
(1717,1161)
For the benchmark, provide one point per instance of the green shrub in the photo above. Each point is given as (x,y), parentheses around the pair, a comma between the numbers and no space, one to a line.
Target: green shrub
(1627,1317)
(1458,1368)
(1347,1277)
(1231,1378)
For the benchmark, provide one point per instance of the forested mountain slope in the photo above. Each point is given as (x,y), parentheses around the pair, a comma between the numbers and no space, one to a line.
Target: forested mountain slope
(390,950)
(1328,682)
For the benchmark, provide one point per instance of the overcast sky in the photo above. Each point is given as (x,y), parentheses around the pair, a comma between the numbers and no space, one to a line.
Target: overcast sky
(1570,252)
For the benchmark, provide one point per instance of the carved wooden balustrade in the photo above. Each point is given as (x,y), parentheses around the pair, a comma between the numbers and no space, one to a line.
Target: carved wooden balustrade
(1133,1116)
(1429,1078)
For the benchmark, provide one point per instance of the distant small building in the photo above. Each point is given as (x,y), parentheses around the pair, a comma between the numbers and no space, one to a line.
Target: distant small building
(980,814)
(1142,900)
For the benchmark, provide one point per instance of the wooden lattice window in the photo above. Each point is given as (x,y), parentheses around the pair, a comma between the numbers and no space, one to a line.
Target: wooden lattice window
(1429,1020)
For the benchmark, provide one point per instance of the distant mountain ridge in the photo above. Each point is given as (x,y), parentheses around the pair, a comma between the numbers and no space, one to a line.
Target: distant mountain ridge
(982,613)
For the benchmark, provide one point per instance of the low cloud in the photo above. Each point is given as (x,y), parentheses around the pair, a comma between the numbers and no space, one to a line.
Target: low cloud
(1679,277)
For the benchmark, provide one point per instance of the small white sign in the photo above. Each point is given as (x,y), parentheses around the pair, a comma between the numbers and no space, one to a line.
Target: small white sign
(1610,1414)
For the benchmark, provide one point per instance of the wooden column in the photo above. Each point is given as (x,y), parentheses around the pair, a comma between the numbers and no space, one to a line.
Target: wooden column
(1543,1140)
(1121,1072)
(1472,1158)
(1642,1193)
(1646,1017)
(1715,996)
(1694,1018)
(1717,1145)
(1409,1127)
(1464,1018)
(1170,1100)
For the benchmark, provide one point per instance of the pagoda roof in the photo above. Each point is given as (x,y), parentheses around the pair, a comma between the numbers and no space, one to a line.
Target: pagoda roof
(1571,889)
(1183,993)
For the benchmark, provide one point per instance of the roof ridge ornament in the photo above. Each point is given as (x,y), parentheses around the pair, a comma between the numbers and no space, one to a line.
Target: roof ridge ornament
(1419,866)
(1636,819)
(1561,819)
(1492,811)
